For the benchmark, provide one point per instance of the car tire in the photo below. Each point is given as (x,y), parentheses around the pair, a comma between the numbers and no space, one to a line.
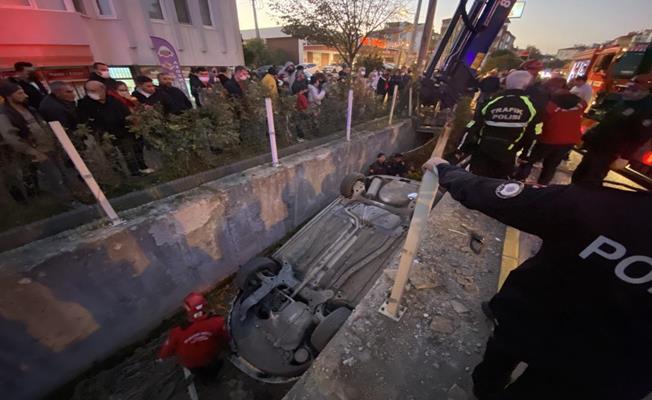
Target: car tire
(328,327)
(252,267)
(347,187)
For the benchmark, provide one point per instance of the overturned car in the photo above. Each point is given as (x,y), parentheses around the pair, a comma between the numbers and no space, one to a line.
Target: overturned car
(292,304)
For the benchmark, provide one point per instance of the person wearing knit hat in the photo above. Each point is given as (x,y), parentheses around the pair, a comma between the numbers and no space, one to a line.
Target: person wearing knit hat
(500,129)
(518,80)
(23,130)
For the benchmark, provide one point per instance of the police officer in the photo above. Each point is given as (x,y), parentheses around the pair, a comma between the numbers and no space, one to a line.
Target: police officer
(620,134)
(501,128)
(579,312)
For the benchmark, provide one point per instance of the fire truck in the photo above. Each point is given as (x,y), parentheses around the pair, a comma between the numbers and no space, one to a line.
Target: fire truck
(610,67)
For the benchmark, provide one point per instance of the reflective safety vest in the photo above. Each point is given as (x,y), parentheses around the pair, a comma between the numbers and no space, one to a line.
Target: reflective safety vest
(503,125)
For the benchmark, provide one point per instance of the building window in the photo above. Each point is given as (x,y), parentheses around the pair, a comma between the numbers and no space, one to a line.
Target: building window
(104,8)
(58,5)
(155,9)
(16,3)
(183,15)
(205,10)
(79,6)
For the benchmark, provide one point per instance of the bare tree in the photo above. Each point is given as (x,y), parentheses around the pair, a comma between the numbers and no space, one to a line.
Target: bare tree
(341,24)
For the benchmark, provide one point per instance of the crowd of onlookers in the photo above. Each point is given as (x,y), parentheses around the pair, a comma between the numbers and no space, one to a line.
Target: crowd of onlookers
(29,152)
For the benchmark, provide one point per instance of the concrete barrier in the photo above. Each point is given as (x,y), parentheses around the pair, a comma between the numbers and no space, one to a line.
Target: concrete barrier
(72,299)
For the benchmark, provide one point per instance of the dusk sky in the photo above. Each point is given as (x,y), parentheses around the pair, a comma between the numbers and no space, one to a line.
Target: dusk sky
(547,24)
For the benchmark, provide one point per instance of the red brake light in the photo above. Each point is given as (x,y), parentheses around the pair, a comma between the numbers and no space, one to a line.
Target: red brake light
(647,158)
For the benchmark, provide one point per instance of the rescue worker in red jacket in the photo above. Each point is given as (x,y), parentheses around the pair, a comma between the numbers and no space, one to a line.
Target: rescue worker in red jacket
(198,343)
(562,122)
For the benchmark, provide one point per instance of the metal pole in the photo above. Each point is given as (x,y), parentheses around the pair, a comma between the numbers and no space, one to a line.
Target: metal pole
(415,25)
(349,115)
(272,132)
(410,101)
(427,34)
(253,5)
(427,192)
(391,109)
(84,172)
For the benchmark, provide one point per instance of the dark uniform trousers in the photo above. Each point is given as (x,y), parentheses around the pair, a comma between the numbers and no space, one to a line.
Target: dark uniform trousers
(579,312)
(500,128)
(593,169)
(551,154)
(484,165)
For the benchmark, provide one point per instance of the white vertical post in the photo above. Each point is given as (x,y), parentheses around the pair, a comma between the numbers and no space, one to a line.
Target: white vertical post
(391,110)
(410,101)
(84,172)
(349,115)
(272,133)
(427,191)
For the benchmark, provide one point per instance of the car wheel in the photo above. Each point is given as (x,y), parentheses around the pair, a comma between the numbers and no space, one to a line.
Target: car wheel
(244,277)
(328,327)
(351,185)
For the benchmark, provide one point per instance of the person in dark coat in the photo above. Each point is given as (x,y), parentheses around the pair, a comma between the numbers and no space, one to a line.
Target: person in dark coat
(105,114)
(146,93)
(382,88)
(222,75)
(622,131)
(380,166)
(59,105)
(300,84)
(29,80)
(397,165)
(180,101)
(32,141)
(577,312)
(489,86)
(235,85)
(100,73)
(200,81)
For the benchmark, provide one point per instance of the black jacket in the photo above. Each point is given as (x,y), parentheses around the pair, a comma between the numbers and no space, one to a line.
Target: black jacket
(298,86)
(233,88)
(35,94)
(581,307)
(623,129)
(490,84)
(158,98)
(179,100)
(109,83)
(196,86)
(503,126)
(53,109)
(108,117)
(382,87)
(379,169)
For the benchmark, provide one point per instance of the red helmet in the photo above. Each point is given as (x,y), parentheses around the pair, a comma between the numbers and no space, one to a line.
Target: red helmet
(195,305)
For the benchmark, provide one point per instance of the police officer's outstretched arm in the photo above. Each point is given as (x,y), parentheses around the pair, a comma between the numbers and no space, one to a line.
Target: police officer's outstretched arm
(537,211)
